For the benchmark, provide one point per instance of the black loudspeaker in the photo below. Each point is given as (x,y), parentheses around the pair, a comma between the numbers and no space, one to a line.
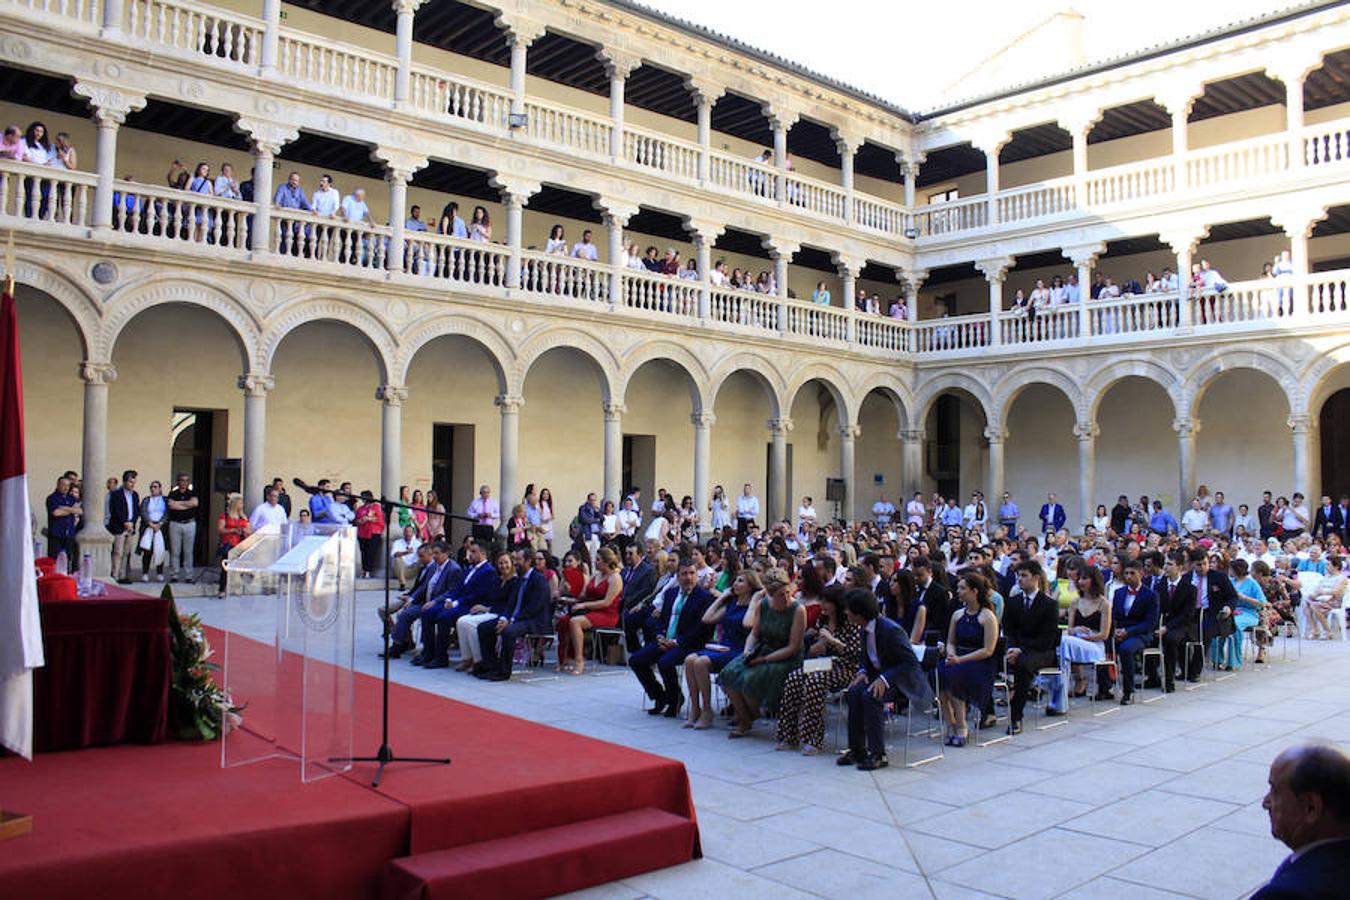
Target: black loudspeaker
(834,490)
(225,477)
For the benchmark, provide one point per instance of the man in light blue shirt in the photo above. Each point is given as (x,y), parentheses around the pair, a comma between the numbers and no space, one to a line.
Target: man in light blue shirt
(320,504)
(1008,513)
(1162,521)
(291,196)
(951,514)
(1221,515)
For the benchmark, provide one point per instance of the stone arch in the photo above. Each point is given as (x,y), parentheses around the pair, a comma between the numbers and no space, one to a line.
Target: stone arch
(600,356)
(1104,379)
(954,381)
(1313,384)
(761,370)
(1014,383)
(135,298)
(701,393)
(377,334)
(80,306)
(834,381)
(892,388)
(1227,359)
(427,330)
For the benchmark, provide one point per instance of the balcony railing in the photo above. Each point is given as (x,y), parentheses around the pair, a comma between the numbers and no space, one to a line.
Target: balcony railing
(190,28)
(45,195)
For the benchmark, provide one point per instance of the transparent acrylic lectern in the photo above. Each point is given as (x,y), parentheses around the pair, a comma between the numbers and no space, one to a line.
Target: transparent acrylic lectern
(289,638)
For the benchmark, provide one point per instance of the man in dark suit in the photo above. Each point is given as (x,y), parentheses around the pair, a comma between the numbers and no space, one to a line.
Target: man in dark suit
(124,515)
(639,586)
(1215,598)
(1053,516)
(1180,618)
(1328,520)
(437,579)
(477,584)
(1031,627)
(932,596)
(1134,612)
(1309,807)
(888,669)
(525,611)
(679,632)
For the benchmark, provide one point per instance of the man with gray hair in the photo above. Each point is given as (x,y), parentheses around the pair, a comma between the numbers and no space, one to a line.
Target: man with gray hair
(1309,807)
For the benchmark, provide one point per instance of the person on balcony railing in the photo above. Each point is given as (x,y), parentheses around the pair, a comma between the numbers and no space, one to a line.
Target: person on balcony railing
(1072,293)
(671,264)
(690,271)
(1059,293)
(899,309)
(718,276)
(327,198)
(37,149)
(226,188)
(557,242)
(291,196)
(12,146)
(585,248)
(63,153)
(450,222)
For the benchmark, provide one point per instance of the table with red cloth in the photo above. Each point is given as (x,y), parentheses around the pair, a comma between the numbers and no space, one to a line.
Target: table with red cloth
(107,672)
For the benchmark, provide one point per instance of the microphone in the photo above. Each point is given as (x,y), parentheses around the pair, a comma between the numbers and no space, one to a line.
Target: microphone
(308,489)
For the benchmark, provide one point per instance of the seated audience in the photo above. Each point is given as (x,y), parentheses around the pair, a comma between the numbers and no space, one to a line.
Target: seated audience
(754,680)
(679,631)
(727,614)
(801,714)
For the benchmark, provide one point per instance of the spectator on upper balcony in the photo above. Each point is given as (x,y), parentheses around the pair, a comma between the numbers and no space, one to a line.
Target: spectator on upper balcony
(633,257)
(737,279)
(860,300)
(899,308)
(12,146)
(63,153)
(414,222)
(651,261)
(226,188)
(757,179)
(291,196)
(177,177)
(1072,294)
(1058,292)
(327,199)
(671,264)
(355,210)
(1210,279)
(1168,279)
(557,242)
(1152,284)
(1283,266)
(821,294)
(480,226)
(718,276)
(201,184)
(1021,304)
(1098,282)
(762,283)
(1040,296)
(450,222)
(690,271)
(1110,291)
(585,248)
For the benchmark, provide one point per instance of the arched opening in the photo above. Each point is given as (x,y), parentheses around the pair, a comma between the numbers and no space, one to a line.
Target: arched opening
(52,350)
(813,450)
(561,425)
(658,402)
(1137,448)
(1040,453)
(956,452)
(878,467)
(1244,445)
(1334,428)
(743,405)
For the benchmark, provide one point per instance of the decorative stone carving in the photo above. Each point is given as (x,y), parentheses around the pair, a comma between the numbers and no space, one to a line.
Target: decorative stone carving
(97,373)
(391,394)
(256,384)
(110,103)
(267,136)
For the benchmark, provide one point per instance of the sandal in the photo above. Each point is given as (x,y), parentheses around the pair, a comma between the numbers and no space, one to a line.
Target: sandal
(705,721)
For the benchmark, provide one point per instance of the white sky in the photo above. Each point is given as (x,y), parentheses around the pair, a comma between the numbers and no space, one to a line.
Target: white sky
(907,52)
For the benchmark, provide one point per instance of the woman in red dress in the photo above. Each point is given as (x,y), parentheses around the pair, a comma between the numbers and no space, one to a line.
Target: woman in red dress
(598,607)
(233,527)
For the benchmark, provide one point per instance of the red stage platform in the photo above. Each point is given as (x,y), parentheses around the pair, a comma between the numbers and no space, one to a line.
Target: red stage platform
(167,821)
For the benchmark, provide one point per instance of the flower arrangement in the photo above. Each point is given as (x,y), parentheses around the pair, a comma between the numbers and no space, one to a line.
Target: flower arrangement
(199,709)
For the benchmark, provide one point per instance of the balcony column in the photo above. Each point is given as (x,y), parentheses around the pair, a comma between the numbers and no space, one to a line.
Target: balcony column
(782,251)
(255,386)
(909,168)
(1301,426)
(1079,125)
(704,235)
(780,121)
(403,40)
(990,145)
(1186,429)
(777,507)
(614,452)
(995,270)
(1087,433)
(507,491)
(520,33)
(267,58)
(996,435)
(847,145)
(848,436)
(615,214)
(911,458)
(268,138)
(618,66)
(1183,243)
(848,268)
(705,95)
(914,279)
(1082,258)
(1291,72)
(110,106)
(93,537)
(112,18)
(1178,103)
(516,192)
(391,397)
(703,423)
(399,170)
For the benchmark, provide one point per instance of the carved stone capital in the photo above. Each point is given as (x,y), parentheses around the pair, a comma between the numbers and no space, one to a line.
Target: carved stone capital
(705,90)
(391,394)
(848,265)
(1184,240)
(780,247)
(1178,99)
(515,189)
(1300,424)
(615,210)
(407,7)
(911,435)
(509,404)
(401,164)
(703,420)
(614,411)
(780,425)
(256,384)
(849,432)
(995,434)
(111,104)
(1084,254)
(519,29)
(705,231)
(1186,428)
(913,277)
(1086,431)
(994,269)
(618,63)
(97,373)
(1298,221)
(267,136)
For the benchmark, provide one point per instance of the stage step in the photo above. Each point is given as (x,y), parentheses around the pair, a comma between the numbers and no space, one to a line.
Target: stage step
(547,862)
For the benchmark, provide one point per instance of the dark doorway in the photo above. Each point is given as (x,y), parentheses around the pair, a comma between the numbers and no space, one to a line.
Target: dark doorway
(944,451)
(1334,424)
(199,436)
(452,474)
(639,469)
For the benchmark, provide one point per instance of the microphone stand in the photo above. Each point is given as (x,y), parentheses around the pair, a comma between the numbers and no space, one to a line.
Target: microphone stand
(385,754)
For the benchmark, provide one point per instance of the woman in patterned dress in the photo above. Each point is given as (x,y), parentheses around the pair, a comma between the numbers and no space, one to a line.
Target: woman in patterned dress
(801,715)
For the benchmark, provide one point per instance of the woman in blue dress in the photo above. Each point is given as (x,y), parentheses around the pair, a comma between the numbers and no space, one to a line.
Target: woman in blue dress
(728,614)
(967,670)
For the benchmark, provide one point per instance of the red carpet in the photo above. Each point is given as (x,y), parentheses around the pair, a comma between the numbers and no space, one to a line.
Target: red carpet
(167,821)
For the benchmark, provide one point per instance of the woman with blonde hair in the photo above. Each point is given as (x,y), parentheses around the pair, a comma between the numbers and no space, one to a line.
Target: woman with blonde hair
(754,680)
(233,527)
(598,607)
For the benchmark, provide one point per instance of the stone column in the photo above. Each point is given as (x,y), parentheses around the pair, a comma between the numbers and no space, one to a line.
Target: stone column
(996,436)
(909,168)
(268,138)
(1301,426)
(1087,433)
(780,121)
(704,235)
(847,148)
(911,453)
(515,193)
(1186,430)
(991,145)
(1083,256)
(995,270)
(703,423)
(778,501)
(615,214)
(618,66)
(1178,103)
(267,59)
(93,537)
(848,435)
(614,452)
(1297,223)
(914,279)
(399,170)
(1293,76)
(255,386)
(112,19)
(110,106)
(391,397)
(705,95)
(782,251)
(848,268)
(520,33)
(403,39)
(1183,243)
(508,492)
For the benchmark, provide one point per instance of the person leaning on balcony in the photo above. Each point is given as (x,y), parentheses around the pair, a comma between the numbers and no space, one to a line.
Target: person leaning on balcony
(226,188)
(690,271)
(291,196)
(671,264)
(480,228)
(718,276)
(557,242)
(450,222)
(327,198)
(651,261)
(11,147)
(585,248)
(821,295)
(899,309)
(63,153)
(201,184)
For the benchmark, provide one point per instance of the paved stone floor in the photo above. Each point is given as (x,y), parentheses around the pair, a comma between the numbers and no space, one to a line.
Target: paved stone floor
(1156,800)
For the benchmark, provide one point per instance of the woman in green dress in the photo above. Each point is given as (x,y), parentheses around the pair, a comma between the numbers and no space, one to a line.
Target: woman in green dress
(754,680)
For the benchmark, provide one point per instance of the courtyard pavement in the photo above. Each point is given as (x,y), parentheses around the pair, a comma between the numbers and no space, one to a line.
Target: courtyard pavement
(1155,800)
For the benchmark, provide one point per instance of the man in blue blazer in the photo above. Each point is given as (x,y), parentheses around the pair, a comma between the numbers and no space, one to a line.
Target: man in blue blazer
(124,519)
(1053,516)
(1134,612)
(888,669)
(679,632)
(525,611)
(437,579)
(479,587)
(1309,807)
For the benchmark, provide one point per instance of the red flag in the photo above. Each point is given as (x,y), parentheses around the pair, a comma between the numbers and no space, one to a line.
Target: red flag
(20,627)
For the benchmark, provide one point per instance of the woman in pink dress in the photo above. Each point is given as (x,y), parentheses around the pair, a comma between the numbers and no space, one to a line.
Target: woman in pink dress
(419,517)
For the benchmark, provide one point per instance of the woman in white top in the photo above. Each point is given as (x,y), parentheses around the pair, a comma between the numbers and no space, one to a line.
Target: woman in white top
(1040,296)
(1058,292)
(37,149)
(627,521)
(200,183)
(1328,595)
(806,513)
(546,516)
(690,270)
(480,229)
(63,153)
(721,511)
(1101,521)
(557,242)
(226,187)
(633,258)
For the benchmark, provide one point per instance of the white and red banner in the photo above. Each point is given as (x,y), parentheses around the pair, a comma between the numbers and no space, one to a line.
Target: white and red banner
(20,628)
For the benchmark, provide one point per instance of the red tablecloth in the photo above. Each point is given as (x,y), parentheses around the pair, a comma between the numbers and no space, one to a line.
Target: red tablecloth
(107,674)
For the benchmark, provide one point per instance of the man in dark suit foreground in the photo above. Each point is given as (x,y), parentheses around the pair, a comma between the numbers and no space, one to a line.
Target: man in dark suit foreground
(888,668)
(1031,625)
(524,611)
(1309,807)
(1134,611)
(679,631)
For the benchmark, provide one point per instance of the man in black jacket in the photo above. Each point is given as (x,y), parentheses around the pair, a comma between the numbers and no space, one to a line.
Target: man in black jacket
(124,515)
(525,610)
(1215,598)
(1309,807)
(1180,618)
(639,586)
(679,632)
(1031,626)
